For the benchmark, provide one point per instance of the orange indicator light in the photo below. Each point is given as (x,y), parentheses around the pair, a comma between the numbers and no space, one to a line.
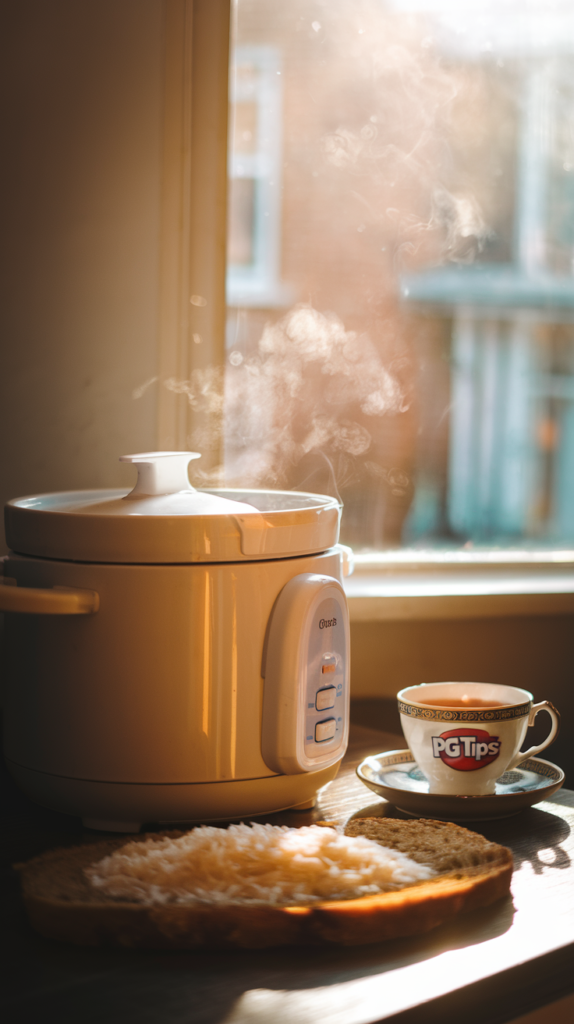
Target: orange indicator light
(327,668)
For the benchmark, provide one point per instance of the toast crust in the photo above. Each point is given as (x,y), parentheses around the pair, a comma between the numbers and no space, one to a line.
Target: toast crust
(61,905)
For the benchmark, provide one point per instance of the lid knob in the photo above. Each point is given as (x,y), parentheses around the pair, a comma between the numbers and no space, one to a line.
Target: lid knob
(160,472)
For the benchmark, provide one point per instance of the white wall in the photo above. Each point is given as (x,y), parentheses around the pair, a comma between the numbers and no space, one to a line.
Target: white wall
(81,133)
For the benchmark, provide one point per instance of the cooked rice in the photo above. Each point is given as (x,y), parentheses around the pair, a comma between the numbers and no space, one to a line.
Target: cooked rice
(253,865)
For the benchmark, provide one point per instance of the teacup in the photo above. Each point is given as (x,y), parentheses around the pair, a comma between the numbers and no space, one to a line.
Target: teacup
(464,736)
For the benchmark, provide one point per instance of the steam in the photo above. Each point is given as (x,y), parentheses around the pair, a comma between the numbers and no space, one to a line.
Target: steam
(404,145)
(455,221)
(204,389)
(312,387)
(141,390)
(460,217)
(383,195)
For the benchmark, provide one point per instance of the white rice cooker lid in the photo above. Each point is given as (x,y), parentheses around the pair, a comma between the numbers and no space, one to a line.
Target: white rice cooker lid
(164,519)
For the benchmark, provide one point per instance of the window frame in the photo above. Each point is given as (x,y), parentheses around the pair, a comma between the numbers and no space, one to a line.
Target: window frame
(193,211)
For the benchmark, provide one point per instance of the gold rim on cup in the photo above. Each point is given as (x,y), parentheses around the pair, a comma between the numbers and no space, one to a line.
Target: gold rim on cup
(420,709)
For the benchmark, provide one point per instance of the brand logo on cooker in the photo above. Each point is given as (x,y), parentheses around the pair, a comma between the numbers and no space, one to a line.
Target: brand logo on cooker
(323,623)
(465,750)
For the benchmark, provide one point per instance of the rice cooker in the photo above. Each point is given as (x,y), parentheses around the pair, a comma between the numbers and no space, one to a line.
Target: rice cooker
(174,654)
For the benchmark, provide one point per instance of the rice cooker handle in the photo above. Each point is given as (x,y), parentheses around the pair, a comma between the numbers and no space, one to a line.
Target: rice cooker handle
(54,601)
(305,721)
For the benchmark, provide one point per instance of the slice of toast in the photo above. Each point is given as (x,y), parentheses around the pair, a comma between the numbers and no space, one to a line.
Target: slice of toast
(473,872)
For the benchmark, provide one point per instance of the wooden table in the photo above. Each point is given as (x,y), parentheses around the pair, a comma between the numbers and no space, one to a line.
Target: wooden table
(487,967)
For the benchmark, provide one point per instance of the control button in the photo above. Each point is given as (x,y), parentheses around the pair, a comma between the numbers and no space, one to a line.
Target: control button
(325,698)
(325,730)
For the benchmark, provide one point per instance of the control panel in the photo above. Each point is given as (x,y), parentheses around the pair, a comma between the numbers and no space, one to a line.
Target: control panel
(306,669)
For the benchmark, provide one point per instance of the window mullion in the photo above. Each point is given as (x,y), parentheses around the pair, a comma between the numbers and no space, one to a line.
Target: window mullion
(193,224)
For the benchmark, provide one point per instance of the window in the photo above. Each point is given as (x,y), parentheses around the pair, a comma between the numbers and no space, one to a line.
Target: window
(401,265)
(255,176)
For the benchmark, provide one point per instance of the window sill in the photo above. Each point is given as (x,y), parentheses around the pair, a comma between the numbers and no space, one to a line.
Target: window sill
(413,585)
(246,294)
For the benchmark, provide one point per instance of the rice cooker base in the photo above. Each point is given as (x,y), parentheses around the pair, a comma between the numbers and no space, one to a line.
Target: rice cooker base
(115,807)
(151,710)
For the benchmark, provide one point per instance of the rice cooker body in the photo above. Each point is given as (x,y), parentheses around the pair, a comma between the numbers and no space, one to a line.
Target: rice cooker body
(195,692)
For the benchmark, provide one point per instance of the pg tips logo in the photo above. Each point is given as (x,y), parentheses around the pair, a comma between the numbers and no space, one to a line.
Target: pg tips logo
(465,750)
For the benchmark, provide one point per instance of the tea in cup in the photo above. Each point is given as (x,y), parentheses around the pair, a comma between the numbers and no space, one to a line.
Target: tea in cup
(464,736)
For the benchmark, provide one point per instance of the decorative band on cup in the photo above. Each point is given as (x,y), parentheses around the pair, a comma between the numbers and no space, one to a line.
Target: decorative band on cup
(503,714)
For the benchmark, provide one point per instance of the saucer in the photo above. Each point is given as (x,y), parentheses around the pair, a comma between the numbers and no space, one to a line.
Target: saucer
(395,775)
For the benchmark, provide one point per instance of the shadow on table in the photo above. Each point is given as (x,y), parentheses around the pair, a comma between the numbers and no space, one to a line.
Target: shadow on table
(93,985)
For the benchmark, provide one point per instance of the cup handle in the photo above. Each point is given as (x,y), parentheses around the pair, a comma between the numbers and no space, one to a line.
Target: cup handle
(523,755)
